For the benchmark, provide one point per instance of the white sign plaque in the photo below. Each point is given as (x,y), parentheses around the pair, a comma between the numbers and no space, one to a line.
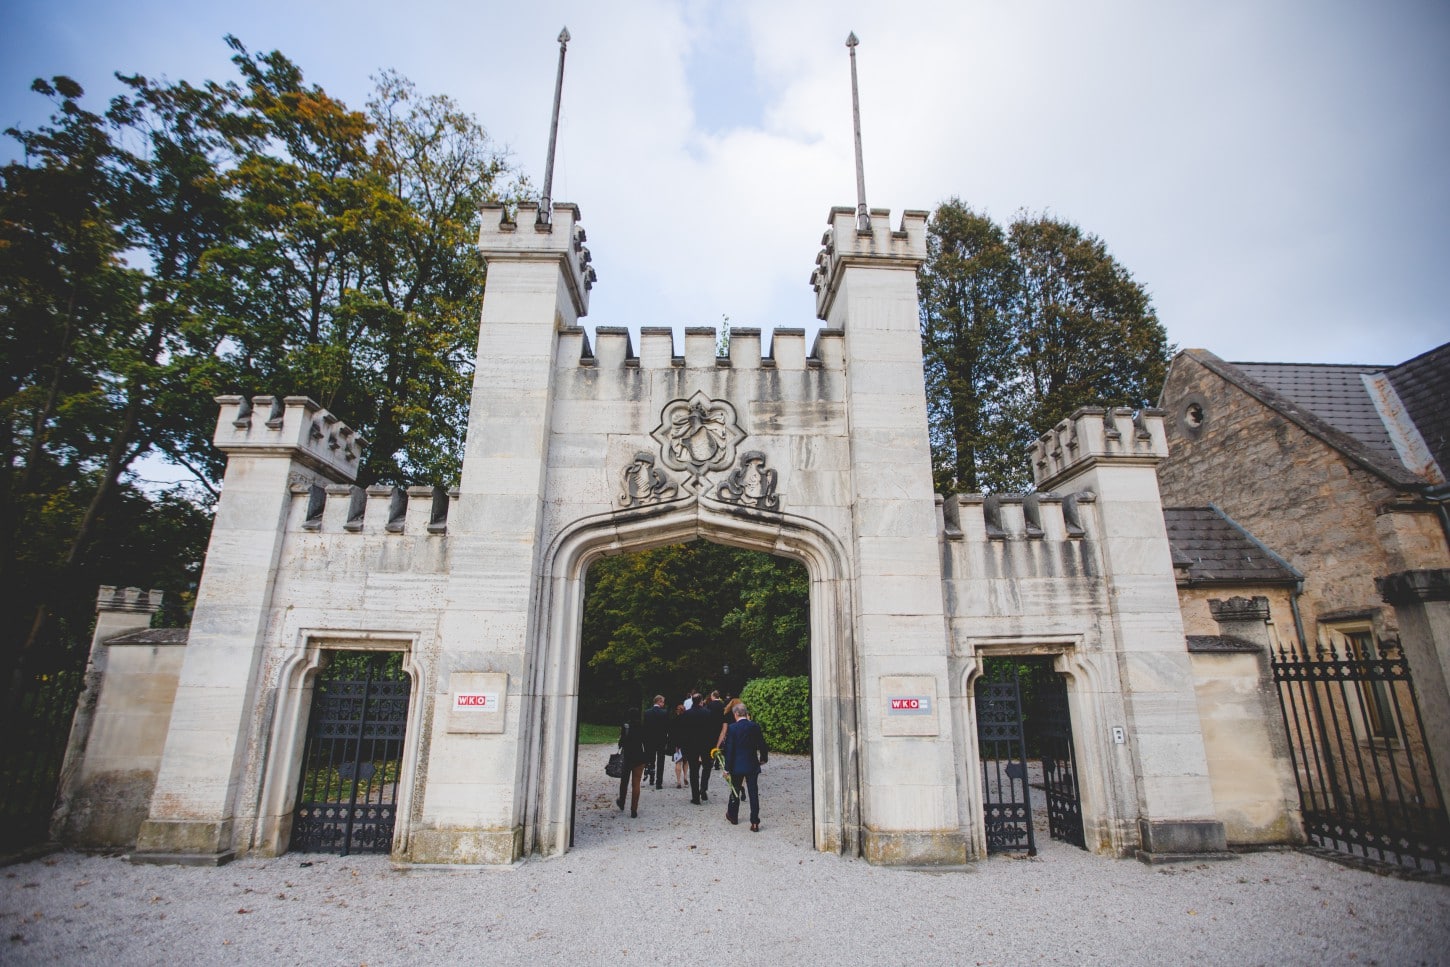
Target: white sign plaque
(476,701)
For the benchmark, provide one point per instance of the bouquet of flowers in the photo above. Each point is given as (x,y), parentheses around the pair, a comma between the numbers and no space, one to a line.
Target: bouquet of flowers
(718,756)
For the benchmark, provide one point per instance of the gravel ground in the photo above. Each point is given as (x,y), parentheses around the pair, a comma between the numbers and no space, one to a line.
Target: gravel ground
(637,891)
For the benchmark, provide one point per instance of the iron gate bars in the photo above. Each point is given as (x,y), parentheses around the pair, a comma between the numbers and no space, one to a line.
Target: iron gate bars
(1053,729)
(1366,780)
(1006,800)
(348,793)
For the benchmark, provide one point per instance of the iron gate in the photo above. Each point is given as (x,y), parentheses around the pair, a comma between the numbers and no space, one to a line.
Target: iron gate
(348,792)
(1052,728)
(1366,780)
(1002,748)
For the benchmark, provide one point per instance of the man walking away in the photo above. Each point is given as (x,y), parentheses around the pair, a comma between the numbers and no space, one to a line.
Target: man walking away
(698,727)
(745,752)
(656,728)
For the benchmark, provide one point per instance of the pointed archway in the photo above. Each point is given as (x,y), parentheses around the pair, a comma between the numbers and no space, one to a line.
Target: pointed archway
(553,675)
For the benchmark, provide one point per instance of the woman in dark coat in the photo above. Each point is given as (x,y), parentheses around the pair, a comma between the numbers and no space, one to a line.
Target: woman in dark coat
(631,744)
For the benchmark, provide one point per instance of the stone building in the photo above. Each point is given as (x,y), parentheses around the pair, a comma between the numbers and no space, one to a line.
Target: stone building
(1341,471)
(581,447)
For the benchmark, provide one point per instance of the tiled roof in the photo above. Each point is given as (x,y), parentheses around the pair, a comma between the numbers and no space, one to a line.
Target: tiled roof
(1423,385)
(1335,394)
(1215,550)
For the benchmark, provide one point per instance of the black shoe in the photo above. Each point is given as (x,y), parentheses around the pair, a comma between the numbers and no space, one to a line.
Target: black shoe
(619,802)
(634,814)
(694,802)
(733,820)
(704,794)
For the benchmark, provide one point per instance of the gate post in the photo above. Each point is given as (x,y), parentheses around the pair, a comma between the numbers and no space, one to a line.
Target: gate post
(1115,454)
(271,444)
(1421,600)
(476,782)
(865,285)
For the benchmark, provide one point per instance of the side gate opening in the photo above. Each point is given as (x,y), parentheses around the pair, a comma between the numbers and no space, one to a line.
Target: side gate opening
(1029,768)
(347,794)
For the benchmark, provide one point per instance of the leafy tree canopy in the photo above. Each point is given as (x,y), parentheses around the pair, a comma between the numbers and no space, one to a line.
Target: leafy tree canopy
(1019,328)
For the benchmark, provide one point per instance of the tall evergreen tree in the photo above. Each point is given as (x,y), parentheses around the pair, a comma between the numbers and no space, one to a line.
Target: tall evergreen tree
(1019,328)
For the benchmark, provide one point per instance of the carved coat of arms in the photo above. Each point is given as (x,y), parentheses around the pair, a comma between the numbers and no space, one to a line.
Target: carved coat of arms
(698,435)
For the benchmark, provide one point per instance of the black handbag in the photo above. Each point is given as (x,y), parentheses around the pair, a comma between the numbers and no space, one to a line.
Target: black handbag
(615,768)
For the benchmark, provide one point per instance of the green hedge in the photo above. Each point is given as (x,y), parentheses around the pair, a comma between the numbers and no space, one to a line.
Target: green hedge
(782,708)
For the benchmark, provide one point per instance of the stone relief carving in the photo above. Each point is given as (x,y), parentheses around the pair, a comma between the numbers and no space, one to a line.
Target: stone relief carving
(698,435)
(751,484)
(642,483)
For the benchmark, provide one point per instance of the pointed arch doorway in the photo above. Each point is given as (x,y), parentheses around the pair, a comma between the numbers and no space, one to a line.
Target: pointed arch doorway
(554,670)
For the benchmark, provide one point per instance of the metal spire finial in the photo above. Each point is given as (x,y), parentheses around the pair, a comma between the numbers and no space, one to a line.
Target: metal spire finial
(546,203)
(863,215)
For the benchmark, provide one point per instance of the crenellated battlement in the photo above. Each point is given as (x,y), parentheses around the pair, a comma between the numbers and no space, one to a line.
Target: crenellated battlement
(613,348)
(1093,434)
(373,510)
(1038,516)
(844,244)
(292,426)
(525,238)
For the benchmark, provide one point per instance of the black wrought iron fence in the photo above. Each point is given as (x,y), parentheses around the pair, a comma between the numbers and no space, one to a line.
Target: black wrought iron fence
(1367,784)
(37,721)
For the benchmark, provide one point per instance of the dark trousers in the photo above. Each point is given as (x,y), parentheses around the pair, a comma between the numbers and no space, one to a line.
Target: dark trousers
(751,784)
(659,757)
(700,766)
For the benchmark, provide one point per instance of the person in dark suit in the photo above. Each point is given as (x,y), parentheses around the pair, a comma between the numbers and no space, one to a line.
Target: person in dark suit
(745,752)
(656,730)
(698,726)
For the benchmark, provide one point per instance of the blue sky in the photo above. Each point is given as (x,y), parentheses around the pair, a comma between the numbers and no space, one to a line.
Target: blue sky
(1274,172)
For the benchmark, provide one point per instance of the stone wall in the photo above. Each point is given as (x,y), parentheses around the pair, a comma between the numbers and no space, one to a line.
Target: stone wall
(1336,522)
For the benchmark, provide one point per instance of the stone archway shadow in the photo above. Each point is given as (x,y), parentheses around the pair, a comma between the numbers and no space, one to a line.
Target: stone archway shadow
(553,674)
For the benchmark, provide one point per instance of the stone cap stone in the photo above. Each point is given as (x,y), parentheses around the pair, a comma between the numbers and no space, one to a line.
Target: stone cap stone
(151,636)
(290,426)
(844,244)
(1221,645)
(1408,587)
(1092,434)
(131,600)
(525,239)
(1239,608)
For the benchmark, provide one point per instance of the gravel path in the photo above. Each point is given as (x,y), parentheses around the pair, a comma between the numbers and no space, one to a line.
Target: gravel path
(638,891)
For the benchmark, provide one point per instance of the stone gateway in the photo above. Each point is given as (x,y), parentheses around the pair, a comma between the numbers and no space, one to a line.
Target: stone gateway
(581,447)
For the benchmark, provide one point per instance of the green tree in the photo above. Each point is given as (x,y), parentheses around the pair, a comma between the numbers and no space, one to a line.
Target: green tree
(1020,328)
(970,350)
(242,237)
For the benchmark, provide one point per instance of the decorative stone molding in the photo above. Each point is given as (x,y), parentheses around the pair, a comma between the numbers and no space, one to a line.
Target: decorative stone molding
(294,427)
(843,245)
(1238,608)
(751,484)
(561,238)
(132,600)
(1409,587)
(642,483)
(1093,434)
(698,435)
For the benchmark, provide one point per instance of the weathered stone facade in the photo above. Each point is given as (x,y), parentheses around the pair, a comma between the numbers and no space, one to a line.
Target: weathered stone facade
(581,448)
(1339,520)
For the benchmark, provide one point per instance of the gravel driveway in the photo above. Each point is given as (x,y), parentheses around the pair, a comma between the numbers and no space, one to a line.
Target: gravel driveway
(647,890)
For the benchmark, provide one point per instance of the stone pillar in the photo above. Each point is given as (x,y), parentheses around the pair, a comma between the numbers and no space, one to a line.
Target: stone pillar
(538,283)
(1115,455)
(271,444)
(1422,606)
(866,286)
(1249,763)
(119,726)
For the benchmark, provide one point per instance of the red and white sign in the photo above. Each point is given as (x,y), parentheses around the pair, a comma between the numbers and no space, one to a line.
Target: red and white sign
(476,702)
(909,705)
